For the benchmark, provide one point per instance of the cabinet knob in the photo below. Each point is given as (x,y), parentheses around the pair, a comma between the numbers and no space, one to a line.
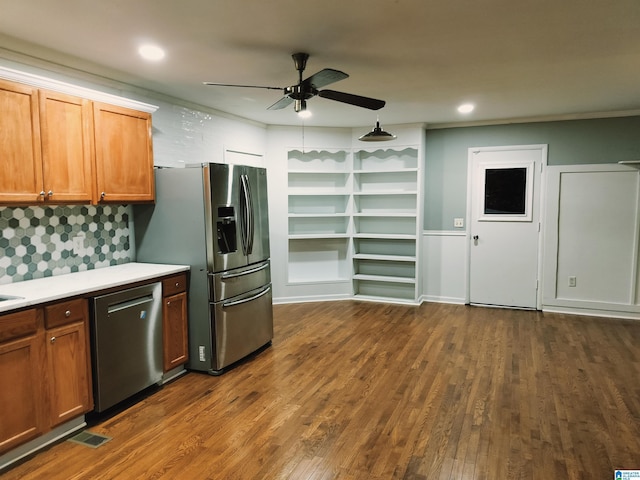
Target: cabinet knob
(50,193)
(169,303)
(53,339)
(177,284)
(42,194)
(103,194)
(67,313)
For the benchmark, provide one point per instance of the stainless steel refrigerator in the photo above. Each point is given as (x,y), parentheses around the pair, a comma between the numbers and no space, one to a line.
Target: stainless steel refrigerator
(214,218)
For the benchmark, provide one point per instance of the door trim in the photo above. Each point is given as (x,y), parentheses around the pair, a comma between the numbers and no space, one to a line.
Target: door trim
(544,148)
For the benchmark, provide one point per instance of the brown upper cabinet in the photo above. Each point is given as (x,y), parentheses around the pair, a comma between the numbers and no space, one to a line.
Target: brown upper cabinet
(66,129)
(58,148)
(20,152)
(124,155)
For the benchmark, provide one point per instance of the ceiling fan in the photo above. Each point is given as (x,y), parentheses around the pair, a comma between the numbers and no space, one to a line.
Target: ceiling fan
(308,88)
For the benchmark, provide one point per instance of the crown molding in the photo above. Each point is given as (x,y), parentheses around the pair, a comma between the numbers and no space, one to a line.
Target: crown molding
(70,89)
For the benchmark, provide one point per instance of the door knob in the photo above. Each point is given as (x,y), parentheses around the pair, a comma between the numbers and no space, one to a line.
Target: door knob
(475,237)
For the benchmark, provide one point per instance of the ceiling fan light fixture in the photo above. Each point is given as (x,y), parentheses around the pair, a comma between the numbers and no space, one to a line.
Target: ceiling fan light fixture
(300,105)
(377,135)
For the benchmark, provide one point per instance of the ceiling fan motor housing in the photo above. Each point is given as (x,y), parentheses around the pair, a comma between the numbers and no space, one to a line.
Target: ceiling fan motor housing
(301,92)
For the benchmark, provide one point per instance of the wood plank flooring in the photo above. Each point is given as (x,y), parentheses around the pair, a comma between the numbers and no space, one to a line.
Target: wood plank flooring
(354,390)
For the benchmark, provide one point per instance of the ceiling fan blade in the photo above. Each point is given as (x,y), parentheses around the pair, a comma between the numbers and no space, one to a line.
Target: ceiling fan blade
(357,100)
(324,77)
(282,103)
(245,86)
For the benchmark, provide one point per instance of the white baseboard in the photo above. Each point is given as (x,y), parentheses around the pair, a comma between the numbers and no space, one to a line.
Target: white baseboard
(311,298)
(591,312)
(436,299)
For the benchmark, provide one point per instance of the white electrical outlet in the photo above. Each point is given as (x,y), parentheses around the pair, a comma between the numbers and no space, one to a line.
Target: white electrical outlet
(572,281)
(458,222)
(78,244)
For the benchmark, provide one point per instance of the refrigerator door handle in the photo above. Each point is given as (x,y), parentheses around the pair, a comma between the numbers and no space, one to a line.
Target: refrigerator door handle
(250,219)
(246,300)
(227,276)
(247,214)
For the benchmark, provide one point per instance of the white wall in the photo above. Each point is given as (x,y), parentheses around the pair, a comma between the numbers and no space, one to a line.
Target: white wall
(444,266)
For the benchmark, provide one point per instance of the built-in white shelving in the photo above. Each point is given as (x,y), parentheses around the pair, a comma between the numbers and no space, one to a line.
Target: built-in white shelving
(319,195)
(353,216)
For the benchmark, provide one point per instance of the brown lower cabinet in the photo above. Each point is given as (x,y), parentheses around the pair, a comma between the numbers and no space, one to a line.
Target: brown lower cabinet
(45,370)
(68,360)
(174,321)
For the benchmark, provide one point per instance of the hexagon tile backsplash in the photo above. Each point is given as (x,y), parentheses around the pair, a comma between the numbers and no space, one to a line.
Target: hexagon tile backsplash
(38,242)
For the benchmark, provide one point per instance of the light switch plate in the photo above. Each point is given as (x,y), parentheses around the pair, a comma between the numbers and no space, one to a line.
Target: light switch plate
(458,222)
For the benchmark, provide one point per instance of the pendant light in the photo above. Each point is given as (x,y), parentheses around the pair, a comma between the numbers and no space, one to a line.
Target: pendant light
(377,134)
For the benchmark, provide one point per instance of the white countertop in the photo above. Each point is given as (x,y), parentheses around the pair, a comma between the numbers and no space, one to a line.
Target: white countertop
(43,290)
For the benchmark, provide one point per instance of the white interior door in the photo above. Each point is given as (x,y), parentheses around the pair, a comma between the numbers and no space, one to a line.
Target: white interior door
(504,225)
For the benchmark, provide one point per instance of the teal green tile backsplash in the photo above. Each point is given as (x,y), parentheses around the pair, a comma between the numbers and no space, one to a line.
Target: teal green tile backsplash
(37,242)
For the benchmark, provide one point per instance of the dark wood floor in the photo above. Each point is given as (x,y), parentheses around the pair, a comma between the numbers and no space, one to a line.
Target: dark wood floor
(371,391)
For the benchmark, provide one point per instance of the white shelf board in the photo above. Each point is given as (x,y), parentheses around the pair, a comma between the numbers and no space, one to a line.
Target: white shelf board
(386,236)
(293,281)
(317,192)
(386,214)
(318,171)
(377,193)
(391,170)
(391,258)
(318,215)
(315,236)
(385,279)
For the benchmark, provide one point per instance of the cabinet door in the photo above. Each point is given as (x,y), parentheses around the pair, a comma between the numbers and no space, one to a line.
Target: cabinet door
(175,336)
(124,156)
(69,372)
(21,172)
(66,130)
(21,391)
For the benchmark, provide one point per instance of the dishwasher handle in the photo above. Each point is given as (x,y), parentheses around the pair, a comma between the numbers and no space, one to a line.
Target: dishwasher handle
(116,307)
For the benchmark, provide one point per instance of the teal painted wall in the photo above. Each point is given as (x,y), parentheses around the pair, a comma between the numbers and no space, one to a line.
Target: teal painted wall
(606,140)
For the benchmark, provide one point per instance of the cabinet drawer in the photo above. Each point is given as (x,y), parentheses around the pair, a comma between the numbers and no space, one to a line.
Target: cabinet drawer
(14,325)
(66,312)
(175,284)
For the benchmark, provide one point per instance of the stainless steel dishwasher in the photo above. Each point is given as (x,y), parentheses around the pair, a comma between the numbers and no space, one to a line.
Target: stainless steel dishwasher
(126,340)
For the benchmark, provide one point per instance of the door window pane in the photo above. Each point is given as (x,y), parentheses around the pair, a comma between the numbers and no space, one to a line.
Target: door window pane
(505,191)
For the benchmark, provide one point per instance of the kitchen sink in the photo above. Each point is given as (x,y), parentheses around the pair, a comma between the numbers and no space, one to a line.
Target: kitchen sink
(9,297)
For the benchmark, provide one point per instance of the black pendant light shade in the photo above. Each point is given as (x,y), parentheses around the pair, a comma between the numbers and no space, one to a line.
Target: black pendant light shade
(377,135)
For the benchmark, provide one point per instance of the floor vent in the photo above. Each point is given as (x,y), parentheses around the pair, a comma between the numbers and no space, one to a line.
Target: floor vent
(89,439)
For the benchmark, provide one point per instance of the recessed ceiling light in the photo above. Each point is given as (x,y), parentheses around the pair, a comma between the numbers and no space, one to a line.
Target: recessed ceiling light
(151,52)
(466,108)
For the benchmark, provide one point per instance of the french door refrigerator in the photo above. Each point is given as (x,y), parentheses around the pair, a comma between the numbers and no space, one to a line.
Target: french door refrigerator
(214,218)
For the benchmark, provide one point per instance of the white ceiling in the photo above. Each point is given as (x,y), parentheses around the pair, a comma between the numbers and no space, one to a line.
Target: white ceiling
(514,59)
